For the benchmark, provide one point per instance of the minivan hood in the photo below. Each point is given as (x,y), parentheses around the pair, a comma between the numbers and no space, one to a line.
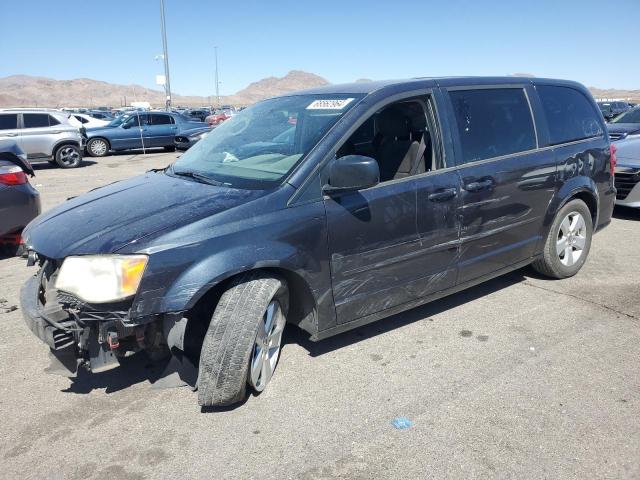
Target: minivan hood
(108,218)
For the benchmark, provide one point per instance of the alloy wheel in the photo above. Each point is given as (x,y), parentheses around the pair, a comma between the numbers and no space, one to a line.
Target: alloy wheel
(267,346)
(98,147)
(69,156)
(572,237)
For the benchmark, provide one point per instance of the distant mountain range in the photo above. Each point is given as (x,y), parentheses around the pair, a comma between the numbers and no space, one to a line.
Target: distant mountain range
(28,91)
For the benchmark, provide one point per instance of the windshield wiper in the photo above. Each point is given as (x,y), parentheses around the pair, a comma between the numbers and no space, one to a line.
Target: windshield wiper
(199,177)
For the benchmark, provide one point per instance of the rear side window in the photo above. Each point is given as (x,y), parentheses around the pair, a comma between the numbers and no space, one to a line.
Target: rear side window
(493,122)
(53,121)
(8,121)
(569,113)
(35,120)
(158,119)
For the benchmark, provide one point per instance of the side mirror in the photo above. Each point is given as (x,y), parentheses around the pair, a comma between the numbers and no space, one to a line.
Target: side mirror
(352,172)
(126,125)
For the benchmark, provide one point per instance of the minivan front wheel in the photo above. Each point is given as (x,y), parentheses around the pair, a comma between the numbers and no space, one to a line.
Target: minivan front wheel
(568,242)
(98,147)
(68,156)
(243,341)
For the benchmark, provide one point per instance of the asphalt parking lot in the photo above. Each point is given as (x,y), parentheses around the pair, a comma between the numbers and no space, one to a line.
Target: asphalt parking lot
(520,377)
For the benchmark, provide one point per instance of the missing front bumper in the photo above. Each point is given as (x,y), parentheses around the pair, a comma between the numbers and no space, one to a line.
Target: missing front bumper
(71,345)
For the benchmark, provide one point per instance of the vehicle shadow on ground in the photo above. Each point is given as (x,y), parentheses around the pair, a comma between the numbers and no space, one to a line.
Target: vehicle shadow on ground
(139,151)
(132,370)
(626,213)
(422,313)
(48,166)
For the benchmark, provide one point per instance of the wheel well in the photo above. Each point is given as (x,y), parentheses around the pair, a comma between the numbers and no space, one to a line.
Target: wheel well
(591,202)
(302,307)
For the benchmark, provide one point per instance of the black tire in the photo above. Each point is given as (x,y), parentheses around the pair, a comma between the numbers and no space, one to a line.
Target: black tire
(230,338)
(53,163)
(550,263)
(68,156)
(98,147)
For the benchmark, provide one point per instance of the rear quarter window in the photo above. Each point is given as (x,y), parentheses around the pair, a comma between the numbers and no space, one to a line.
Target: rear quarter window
(493,122)
(570,114)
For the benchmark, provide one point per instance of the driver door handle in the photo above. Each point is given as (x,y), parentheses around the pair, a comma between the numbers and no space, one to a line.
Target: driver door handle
(479,185)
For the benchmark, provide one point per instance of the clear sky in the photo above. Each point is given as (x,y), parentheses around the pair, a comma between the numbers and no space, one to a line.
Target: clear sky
(594,42)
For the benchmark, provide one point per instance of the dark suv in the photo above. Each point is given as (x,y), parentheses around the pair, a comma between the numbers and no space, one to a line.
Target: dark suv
(327,209)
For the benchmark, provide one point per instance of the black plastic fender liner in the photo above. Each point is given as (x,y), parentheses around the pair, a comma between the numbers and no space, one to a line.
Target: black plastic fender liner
(180,371)
(174,328)
(63,362)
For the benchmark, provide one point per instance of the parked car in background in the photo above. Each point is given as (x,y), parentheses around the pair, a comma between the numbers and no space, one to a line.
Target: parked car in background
(101,115)
(139,130)
(86,120)
(383,196)
(625,124)
(217,117)
(606,109)
(628,172)
(44,135)
(611,109)
(19,201)
(197,114)
(188,138)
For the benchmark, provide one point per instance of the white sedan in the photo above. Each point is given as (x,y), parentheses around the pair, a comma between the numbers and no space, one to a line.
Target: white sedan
(86,121)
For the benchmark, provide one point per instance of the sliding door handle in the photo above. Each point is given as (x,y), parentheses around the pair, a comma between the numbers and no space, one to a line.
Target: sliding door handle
(443,195)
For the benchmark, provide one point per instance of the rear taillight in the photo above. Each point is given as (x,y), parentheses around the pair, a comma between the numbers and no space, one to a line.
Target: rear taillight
(613,160)
(12,176)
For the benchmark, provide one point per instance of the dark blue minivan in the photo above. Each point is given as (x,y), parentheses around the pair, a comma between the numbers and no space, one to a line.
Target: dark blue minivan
(327,209)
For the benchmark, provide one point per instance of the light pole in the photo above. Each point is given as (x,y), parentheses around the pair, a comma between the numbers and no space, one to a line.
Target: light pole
(215,53)
(166,57)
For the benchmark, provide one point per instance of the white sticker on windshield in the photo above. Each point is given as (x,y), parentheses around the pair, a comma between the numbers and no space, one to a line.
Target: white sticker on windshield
(330,104)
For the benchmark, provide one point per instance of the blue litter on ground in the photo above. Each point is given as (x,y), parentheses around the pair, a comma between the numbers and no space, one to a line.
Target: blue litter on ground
(401,423)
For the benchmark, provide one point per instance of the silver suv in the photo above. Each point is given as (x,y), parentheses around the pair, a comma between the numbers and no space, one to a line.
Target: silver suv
(44,135)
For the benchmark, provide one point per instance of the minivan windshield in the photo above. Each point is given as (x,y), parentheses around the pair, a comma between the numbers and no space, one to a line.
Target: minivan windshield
(260,146)
(631,116)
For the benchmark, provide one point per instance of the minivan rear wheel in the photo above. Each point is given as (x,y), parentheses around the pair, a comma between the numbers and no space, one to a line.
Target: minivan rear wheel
(243,341)
(68,156)
(568,242)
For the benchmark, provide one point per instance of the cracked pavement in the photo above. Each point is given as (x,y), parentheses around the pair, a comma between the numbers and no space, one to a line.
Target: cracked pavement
(518,377)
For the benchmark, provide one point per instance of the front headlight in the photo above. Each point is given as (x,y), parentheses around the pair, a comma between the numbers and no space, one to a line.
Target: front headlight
(101,278)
